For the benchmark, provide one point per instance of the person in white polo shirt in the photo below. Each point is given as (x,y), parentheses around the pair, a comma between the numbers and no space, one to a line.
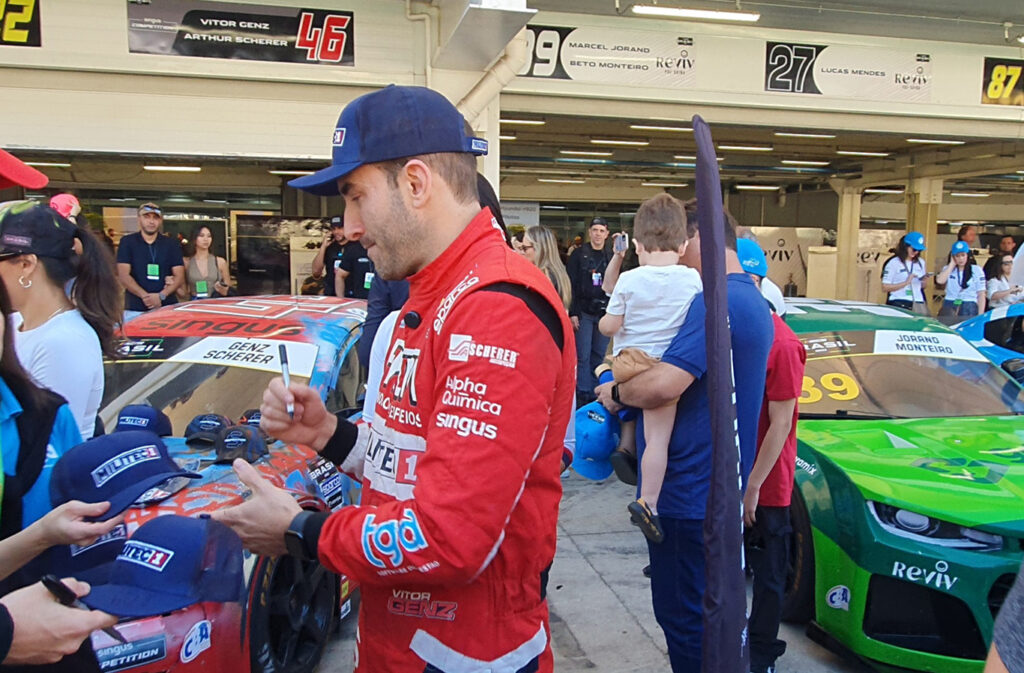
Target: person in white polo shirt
(965,284)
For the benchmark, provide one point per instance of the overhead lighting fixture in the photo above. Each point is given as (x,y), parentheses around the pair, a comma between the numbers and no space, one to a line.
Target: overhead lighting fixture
(580,160)
(792,134)
(690,157)
(586,153)
(882,190)
(613,141)
(506,136)
(47,164)
(174,169)
(858,153)
(291,172)
(758,188)
(686,13)
(971,195)
(664,184)
(747,148)
(935,141)
(524,122)
(671,129)
(552,207)
(214,201)
(802,162)
(568,181)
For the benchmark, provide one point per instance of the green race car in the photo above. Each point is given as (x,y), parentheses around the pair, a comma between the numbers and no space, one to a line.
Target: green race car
(908,515)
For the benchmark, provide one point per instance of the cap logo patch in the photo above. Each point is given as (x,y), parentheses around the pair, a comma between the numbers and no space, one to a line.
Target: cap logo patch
(478,145)
(137,421)
(209,423)
(123,461)
(235,439)
(14,239)
(339,137)
(118,532)
(146,555)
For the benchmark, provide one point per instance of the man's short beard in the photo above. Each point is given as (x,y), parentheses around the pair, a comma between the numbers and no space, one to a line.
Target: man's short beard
(401,238)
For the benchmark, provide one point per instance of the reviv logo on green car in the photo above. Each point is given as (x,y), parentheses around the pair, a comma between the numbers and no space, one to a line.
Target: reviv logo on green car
(908,517)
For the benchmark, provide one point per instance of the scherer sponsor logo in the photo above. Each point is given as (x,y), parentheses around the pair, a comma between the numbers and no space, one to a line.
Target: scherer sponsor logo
(461,347)
(806,467)
(468,394)
(418,604)
(937,577)
(445,307)
(400,378)
(464,427)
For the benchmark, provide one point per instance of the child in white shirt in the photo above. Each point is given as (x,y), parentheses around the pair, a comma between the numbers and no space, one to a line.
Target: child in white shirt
(646,309)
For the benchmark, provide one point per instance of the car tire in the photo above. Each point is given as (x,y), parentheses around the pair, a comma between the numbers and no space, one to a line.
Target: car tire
(798,603)
(293,613)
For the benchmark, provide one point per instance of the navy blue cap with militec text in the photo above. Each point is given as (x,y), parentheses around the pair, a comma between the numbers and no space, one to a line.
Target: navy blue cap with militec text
(392,123)
(117,468)
(144,417)
(172,562)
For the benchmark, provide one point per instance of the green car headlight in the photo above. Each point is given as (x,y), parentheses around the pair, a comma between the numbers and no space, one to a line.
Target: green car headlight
(929,530)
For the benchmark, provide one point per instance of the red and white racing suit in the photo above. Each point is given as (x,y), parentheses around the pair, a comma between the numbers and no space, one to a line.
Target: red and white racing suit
(461,487)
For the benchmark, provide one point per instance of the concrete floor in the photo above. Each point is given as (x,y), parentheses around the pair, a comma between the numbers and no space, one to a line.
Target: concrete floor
(601,616)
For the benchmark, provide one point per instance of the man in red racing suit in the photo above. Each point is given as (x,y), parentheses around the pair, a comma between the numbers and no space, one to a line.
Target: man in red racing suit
(457,525)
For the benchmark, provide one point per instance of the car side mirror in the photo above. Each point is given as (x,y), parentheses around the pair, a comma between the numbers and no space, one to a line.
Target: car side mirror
(1015,368)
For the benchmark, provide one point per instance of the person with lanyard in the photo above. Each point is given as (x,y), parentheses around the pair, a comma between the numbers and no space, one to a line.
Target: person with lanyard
(1000,293)
(206,274)
(903,274)
(354,274)
(328,257)
(965,283)
(149,265)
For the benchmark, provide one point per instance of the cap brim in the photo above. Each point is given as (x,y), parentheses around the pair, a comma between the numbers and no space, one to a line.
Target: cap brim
(123,500)
(325,181)
(596,470)
(202,437)
(132,601)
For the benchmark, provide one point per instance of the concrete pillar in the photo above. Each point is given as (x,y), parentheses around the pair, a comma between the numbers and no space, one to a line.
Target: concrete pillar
(923,198)
(488,125)
(847,239)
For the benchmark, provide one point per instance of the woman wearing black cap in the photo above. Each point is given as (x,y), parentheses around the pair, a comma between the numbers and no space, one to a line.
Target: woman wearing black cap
(59,340)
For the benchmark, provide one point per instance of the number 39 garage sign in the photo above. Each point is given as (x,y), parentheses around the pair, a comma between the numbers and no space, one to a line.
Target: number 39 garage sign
(250,32)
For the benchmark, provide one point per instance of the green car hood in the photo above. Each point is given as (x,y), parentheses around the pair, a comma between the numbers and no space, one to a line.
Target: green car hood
(968,471)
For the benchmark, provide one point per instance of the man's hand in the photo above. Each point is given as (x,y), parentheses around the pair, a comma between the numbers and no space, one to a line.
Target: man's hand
(67,524)
(575,320)
(311,424)
(262,520)
(604,396)
(45,630)
(750,499)
(151,300)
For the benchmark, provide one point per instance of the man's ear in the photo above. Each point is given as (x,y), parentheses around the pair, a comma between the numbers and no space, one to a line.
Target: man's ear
(418,182)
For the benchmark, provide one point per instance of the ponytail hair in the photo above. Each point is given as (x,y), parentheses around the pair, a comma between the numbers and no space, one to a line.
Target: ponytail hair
(95,289)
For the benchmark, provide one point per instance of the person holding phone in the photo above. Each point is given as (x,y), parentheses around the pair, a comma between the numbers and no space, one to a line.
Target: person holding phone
(1000,293)
(965,283)
(904,273)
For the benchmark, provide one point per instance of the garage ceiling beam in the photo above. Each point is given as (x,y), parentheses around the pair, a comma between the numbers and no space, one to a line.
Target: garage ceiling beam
(947,164)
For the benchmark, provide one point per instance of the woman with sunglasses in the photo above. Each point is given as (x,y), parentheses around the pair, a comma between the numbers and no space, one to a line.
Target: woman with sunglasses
(1000,292)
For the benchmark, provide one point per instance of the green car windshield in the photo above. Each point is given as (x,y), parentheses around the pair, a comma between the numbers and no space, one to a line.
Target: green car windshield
(850,381)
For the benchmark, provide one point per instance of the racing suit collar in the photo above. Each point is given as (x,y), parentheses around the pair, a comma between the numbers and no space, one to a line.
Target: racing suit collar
(434,277)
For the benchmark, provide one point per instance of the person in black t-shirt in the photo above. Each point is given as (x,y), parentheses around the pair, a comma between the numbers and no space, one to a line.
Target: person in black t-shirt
(149,265)
(586,268)
(355,273)
(328,258)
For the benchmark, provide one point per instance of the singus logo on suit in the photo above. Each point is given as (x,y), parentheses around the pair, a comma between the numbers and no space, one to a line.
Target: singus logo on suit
(461,347)
(464,427)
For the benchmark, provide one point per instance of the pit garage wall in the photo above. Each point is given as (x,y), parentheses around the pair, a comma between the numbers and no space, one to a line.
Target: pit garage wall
(83,90)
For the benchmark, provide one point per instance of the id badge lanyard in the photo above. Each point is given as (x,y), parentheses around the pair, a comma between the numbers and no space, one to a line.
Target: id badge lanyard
(152,269)
(910,274)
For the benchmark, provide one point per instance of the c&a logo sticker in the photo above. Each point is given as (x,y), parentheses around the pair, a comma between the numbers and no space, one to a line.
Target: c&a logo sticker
(838,598)
(198,640)
(390,540)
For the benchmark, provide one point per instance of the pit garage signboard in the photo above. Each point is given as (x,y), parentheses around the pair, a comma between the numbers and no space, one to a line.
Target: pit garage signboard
(19,23)
(236,31)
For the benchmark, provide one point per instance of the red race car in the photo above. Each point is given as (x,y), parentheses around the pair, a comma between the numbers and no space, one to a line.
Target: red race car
(216,356)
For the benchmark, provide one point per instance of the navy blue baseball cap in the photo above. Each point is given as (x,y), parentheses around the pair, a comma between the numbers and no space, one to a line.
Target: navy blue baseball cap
(597,435)
(251,417)
(89,563)
(240,441)
(392,123)
(172,562)
(144,417)
(118,468)
(205,428)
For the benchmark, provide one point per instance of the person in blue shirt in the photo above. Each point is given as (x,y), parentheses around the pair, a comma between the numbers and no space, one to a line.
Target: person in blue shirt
(677,564)
(149,265)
